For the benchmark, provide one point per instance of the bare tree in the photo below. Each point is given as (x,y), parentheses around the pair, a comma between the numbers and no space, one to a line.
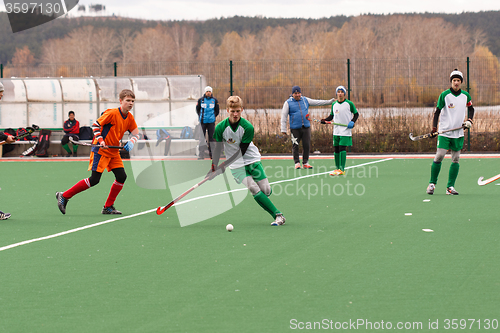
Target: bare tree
(53,51)
(125,39)
(479,38)
(105,44)
(80,44)
(153,44)
(207,51)
(184,40)
(231,47)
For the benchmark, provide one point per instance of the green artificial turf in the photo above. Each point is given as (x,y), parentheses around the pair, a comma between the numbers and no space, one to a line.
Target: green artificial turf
(348,253)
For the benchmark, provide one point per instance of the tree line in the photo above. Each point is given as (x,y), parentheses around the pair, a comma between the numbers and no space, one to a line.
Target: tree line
(101,40)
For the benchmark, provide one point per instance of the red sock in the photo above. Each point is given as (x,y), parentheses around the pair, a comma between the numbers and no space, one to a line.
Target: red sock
(115,189)
(81,186)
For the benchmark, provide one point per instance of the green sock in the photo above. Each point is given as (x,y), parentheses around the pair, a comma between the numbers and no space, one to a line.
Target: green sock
(343,158)
(337,160)
(452,176)
(435,168)
(66,148)
(75,148)
(266,203)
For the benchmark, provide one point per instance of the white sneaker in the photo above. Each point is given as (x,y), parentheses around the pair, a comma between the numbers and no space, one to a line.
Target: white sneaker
(297,165)
(430,188)
(5,216)
(280,220)
(451,191)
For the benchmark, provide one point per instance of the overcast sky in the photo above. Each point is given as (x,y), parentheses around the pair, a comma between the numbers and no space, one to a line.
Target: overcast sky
(203,10)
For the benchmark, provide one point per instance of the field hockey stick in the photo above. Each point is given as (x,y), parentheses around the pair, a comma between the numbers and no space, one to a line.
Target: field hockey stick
(160,210)
(482,182)
(329,122)
(326,122)
(29,130)
(429,135)
(91,145)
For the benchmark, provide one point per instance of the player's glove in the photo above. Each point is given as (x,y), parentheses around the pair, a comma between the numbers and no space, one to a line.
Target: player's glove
(128,146)
(351,124)
(434,132)
(467,124)
(323,121)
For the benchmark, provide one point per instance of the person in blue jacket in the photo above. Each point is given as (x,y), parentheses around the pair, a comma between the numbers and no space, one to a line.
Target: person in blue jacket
(296,108)
(207,109)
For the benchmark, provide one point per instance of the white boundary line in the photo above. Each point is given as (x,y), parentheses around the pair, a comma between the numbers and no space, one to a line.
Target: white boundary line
(7,247)
(278,182)
(72,230)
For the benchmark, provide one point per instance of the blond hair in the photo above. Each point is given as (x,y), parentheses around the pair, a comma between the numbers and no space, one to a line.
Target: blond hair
(234,102)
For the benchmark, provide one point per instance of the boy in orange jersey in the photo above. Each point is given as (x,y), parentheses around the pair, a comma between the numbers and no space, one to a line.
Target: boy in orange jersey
(108,130)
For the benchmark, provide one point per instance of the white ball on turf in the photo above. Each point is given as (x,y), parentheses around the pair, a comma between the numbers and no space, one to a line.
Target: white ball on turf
(229,227)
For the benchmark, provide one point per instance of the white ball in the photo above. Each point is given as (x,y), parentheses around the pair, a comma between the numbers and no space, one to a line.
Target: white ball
(229,227)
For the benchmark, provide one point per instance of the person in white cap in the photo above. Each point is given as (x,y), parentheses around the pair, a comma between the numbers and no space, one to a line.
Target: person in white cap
(207,109)
(343,112)
(455,105)
(8,139)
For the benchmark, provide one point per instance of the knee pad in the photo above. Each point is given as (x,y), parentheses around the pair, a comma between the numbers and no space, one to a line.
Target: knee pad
(264,186)
(251,185)
(440,155)
(455,156)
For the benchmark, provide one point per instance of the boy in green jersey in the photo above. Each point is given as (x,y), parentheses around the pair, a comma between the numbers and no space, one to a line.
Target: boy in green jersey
(454,105)
(236,134)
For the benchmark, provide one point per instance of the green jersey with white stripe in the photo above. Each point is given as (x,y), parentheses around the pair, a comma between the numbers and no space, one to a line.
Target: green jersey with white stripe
(453,112)
(232,136)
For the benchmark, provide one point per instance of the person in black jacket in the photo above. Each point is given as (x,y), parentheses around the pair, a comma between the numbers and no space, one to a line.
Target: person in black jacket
(207,109)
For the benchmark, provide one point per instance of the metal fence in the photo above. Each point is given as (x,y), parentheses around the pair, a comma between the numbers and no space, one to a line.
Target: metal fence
(266,84)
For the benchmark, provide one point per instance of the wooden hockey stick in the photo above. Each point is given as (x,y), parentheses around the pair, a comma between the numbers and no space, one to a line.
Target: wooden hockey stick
(482,182)
(429,135)
(91,145)
(29,130)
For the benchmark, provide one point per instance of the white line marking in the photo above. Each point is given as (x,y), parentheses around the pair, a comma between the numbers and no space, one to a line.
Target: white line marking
(73,230)
(7,247)
(278,182)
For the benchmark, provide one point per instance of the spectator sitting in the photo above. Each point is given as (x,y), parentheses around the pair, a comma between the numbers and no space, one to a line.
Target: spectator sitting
(71,129)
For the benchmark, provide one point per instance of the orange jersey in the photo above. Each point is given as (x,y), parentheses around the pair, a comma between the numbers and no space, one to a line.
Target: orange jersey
(112,125)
